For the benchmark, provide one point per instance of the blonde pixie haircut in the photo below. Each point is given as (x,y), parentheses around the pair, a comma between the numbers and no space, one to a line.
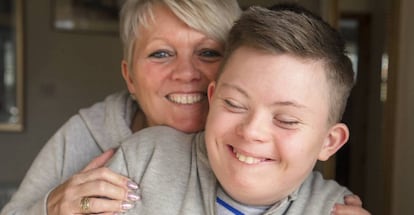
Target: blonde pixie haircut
(213,18)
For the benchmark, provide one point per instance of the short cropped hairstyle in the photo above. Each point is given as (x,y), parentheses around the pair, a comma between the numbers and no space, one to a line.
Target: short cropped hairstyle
(293,30)
(213,18)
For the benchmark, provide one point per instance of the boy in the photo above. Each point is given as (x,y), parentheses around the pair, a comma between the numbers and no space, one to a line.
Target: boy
(274,111)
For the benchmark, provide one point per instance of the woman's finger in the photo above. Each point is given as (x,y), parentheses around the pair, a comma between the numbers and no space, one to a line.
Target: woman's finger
(353,200)
(95,205)
(340,209)
(104,174)
(100,160)
(105,189)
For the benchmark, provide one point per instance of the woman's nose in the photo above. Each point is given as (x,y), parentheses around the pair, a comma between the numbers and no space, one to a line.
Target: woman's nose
(185,69)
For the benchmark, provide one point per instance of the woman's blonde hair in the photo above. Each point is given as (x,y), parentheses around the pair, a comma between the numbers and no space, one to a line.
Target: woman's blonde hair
(213,18)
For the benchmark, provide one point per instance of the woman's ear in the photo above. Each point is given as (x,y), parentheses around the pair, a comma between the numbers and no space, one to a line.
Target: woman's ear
(210,91)
(127,77)
(338,135)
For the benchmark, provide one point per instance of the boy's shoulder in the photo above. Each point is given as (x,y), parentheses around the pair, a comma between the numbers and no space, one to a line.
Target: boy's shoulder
(156,136)
(316,186)
(166,164)
(317,195)
(159,144)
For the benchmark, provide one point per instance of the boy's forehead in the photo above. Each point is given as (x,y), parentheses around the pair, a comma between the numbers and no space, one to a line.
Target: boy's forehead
(246,53)
(280,75)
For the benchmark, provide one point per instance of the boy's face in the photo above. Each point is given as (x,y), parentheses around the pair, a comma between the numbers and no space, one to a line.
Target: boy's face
(268,125)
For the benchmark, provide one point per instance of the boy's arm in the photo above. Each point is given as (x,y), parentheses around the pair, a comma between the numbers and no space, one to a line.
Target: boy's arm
(118,163)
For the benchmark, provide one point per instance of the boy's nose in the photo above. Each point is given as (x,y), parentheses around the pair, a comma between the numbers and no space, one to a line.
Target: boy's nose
(255,128)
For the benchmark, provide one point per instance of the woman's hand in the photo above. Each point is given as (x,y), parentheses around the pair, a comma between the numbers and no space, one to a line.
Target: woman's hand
(95,189)
(352,206)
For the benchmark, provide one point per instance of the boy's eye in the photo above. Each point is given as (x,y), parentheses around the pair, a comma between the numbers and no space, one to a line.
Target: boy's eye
(161,54)
(234,106)
(287,123)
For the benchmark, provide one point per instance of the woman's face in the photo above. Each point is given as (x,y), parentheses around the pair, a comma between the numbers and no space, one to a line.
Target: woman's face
(171,69)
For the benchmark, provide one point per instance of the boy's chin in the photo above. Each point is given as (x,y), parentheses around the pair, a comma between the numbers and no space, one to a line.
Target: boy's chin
(254,197)
(257,192)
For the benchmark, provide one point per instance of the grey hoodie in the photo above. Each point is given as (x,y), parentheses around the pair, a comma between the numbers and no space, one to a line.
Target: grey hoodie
(171,167)
(84,136)
(175,177)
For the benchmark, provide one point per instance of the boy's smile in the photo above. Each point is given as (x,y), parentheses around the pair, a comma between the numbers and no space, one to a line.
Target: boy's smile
(267,125)
(247,158)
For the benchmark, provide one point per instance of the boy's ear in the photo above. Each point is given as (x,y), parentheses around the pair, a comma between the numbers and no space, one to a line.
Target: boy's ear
(338,135)
(127,77)
(210,90)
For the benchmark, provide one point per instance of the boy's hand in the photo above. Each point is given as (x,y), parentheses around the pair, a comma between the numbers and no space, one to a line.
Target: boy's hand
(353,206)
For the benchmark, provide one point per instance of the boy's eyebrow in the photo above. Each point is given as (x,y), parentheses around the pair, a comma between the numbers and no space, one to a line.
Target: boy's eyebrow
(289,103)
(278,103)
(240,90)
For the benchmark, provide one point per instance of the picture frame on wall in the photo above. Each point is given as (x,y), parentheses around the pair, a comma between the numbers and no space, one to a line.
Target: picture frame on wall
(11,66)
(86,15)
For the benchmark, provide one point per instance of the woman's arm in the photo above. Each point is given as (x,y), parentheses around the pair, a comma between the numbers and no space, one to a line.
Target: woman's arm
(42,188)
(41,177)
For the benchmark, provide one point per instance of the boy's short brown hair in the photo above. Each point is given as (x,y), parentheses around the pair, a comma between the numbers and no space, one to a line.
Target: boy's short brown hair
(293,30)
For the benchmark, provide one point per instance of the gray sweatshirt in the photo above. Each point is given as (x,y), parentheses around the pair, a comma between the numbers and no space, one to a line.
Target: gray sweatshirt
(178,182)
(83,137)
(175,177)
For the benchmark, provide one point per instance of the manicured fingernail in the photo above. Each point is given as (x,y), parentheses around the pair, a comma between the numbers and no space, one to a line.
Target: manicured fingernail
(333,210)
(126,205)
(132,185)
(132,196)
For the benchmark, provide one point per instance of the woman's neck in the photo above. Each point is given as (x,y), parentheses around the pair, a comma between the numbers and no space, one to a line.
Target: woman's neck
(139,121)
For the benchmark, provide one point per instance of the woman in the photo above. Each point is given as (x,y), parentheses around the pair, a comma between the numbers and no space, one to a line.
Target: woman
(171,53)
(172,50)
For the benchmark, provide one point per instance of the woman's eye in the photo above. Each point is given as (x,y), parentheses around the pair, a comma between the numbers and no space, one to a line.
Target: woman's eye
(210,55)
(160,54)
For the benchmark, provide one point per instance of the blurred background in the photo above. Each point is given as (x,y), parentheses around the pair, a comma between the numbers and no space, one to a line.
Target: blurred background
(67,56)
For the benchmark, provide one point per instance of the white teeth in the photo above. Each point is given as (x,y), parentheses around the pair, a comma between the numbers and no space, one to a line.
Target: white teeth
(247,159)
(185,98)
